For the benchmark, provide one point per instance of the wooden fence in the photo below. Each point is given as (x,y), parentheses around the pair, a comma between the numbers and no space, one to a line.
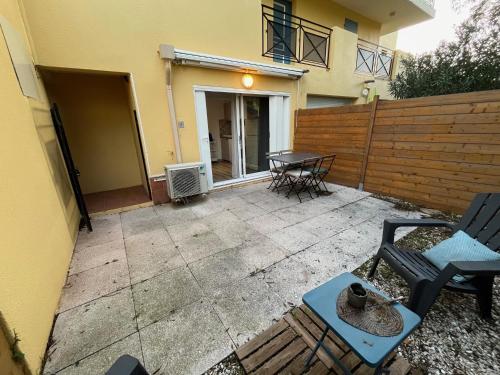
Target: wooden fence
(436,151)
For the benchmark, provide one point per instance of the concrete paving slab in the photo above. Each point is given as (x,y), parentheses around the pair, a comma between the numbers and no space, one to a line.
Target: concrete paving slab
(93,283)
(189,341)
(221,219)
(325,259)
(200,246)
(236,234)
(260,253)
(95,256)
(150,254)
(248,211)
(276,202)
(248,307)
(187,229)
(300,212)
(348,194)
(293,238)
(161,295)
(257,196)
(172,214)
(101,361)
(267,223)
(333,222)
(141,226)
(207,207)
(141,214)
(290,279)
(231,203)
(86,329)
(230,263)
(106,228)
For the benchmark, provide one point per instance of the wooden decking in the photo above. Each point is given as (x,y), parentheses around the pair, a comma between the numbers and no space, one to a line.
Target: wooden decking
(284,347)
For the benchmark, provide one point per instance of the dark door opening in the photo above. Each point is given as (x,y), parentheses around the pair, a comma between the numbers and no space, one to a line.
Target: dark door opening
(102,131)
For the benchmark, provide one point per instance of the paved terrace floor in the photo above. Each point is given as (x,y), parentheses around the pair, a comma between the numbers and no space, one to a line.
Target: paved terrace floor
(181,287)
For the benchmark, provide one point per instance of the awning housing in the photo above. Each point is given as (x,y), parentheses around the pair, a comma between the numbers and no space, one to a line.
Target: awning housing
(203,60)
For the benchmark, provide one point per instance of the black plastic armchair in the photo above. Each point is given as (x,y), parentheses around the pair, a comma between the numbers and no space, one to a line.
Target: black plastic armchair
(481,221)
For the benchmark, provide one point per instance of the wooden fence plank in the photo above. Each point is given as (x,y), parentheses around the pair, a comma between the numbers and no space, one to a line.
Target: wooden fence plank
(473,97)
(485,107)
(436,151)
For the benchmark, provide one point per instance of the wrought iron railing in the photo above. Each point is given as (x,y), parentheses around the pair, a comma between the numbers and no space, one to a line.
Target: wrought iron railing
(286,38)
(374,60)
(429,2)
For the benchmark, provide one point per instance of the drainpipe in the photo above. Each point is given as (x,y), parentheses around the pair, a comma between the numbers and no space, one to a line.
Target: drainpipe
(167,53)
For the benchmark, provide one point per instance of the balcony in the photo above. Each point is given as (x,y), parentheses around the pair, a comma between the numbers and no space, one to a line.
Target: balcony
(392,14)
(287,38)
(374,60)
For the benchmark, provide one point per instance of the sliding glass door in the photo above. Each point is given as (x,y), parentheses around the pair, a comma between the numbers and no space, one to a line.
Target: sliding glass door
(254,112)
(255,125)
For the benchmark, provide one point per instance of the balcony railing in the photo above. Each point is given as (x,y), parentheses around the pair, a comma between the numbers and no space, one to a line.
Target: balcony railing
(374,60)
(286,38)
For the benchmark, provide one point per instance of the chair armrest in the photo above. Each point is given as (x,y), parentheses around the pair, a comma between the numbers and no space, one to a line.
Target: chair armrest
(390,226)
(480,268)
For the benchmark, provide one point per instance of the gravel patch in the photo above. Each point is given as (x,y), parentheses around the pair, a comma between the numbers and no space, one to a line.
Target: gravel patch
(228,366)
(453,339)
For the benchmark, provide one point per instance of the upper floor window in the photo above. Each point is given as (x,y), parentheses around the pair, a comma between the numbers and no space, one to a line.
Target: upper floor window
(351,25)
(284,32)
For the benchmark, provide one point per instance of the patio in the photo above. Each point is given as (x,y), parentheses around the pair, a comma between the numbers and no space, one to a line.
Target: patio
(180,288)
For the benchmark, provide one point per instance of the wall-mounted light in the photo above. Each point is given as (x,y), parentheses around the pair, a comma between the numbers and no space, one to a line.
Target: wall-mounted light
(247,81)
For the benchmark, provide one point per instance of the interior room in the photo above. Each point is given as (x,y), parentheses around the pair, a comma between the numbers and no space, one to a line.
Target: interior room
(220,132)
(101,128)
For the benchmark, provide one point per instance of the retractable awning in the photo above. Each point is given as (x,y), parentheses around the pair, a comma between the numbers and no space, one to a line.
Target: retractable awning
(226,63)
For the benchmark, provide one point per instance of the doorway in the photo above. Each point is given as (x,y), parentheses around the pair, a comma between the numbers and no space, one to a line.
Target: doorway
(99,117)
(236,130)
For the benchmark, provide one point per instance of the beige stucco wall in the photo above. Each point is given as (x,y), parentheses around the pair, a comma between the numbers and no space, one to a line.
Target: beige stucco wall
(39,216)
(97,119)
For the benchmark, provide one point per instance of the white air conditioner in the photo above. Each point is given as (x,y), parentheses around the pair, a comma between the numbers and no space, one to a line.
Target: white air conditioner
(185,180)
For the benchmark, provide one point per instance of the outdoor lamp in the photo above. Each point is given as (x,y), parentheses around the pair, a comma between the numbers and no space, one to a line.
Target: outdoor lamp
(247,81)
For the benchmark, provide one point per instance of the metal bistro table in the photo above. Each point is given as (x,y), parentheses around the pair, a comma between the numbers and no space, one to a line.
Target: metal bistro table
(370,348)
(295,157)
(291,159)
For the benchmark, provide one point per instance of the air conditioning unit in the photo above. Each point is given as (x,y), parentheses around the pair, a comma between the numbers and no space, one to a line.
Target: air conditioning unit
(185,180)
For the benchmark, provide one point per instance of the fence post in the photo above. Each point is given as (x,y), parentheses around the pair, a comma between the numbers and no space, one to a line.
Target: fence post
(368,143)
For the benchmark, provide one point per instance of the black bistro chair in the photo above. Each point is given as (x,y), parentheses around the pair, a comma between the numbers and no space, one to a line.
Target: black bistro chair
(481,221)
(322,169)
(277,169)
(300,179)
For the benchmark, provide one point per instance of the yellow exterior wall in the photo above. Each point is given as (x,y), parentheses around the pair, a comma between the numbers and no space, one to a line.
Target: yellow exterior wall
(7,364)
(39,216)
(187,77)
(96,115)
(124,35)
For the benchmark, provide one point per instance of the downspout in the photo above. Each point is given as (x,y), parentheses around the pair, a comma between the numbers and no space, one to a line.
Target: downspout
(167,53)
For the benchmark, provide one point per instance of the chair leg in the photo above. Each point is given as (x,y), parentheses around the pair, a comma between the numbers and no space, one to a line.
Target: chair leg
(273,181)
(373,268)
(291,187)
(485,297)
(322,178)
(422,297)
(308,184)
